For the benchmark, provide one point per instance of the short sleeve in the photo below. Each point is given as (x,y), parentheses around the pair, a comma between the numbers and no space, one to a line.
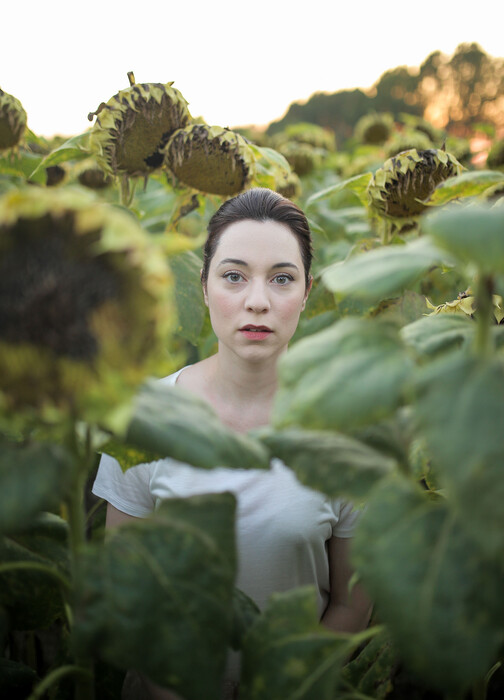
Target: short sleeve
(347,519)
(127,491)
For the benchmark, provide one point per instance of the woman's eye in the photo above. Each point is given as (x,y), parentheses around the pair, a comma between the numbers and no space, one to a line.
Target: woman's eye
(283,279)
(233,277)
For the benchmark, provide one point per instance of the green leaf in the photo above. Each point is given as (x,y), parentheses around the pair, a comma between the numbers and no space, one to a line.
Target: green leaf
(474,235)
(460,407)
(191,307)
(383,272)
(370,673)
(349,375)
(16,679)
(21,165)
(157,596)
(357,184)
(468,184)
(440,599)
(32,598)
(245,613)
(172,422)
(334,464)
(433,334)
(32,478)
(288,654)
(76,148)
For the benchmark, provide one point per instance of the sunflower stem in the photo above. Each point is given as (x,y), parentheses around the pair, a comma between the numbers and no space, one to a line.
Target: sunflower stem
(484,315)
(84,687)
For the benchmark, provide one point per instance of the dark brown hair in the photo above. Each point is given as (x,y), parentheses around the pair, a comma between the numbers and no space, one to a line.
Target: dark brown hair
(259,204)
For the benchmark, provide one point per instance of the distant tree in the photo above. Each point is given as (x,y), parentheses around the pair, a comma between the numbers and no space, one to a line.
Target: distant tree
(452,93)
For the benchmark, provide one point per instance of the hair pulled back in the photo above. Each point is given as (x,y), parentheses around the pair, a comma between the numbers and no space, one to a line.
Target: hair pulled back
(259,204)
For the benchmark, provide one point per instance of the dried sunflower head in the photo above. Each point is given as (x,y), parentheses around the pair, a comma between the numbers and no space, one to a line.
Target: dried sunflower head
(91,176)
(85,308)
(302,158)
(397,189)
(12,121)
(134,125)
(406,141)
(210,159)
(374,129)
(496,156)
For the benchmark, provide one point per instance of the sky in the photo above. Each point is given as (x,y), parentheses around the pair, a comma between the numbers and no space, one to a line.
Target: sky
(236,63)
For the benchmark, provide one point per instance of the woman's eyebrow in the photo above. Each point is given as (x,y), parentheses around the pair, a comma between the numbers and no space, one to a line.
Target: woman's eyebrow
(284,264)
(234,261)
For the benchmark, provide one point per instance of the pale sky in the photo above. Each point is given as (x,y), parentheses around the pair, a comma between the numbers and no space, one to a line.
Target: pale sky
(235,63)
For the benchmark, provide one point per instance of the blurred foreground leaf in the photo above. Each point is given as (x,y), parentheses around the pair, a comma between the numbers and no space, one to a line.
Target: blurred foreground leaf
(157,596)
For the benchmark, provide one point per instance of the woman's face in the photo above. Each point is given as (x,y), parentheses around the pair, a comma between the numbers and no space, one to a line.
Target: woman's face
(256,288)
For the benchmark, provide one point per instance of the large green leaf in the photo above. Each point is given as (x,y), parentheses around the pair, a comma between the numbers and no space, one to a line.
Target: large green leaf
(287,654)
(334,464)
(173,423)
(158,596)
(383,272)
(474,235)
(76,148)
(34,598)
(21,164)
(461,412)
(357,184)
(468,184)
(32,478)
(440,598)
(191,308)
(344,377)
(433,334)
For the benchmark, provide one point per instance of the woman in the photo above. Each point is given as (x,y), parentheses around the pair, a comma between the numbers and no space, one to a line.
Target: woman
(256,280)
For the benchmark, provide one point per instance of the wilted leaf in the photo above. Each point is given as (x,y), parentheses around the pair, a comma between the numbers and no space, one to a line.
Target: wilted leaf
(346,376)
(383,272)
(474,235)
(440,599)
(173,423)
(334,464)
(288,654)
(157,596)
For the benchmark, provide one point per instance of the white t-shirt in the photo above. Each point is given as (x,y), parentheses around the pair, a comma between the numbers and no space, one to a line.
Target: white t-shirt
(282,527)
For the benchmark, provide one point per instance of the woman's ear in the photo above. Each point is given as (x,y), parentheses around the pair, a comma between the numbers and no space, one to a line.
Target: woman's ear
(307,292)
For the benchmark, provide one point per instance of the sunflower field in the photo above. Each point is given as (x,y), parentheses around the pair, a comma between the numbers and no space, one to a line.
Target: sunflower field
(391,394)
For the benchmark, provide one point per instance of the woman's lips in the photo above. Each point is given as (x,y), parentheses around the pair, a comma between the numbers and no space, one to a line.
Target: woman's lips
(255,332)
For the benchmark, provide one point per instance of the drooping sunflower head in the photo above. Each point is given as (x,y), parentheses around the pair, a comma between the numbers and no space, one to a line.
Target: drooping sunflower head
(374,129)
(397,190)
(90,175)
(85,307)
(407,140)
(302,157)
(132,128)
(496,156)
(210,159)
(12,121)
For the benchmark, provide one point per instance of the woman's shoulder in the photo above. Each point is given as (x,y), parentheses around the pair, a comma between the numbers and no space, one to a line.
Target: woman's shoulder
(172,379)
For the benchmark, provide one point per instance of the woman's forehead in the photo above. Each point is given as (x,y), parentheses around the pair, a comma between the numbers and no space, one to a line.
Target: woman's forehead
(257,239)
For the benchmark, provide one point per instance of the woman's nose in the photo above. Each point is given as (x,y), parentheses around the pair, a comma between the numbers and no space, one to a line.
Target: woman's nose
(257,298)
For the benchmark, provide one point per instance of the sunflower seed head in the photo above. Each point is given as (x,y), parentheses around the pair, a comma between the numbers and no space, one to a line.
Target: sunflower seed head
(12,121)
(397,190)
(210,159)
(132,128)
